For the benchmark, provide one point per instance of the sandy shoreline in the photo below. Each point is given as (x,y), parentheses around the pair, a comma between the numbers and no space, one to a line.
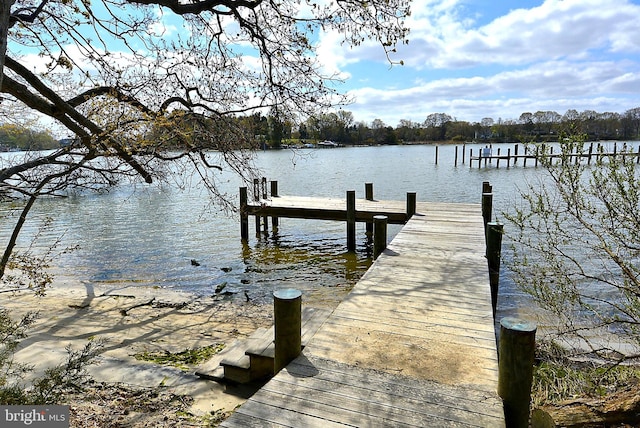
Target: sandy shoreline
(131,321)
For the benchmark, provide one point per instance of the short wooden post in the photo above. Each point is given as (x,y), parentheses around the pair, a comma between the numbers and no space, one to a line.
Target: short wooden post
(244,217)
(274,194)
(351,220)
(379,234)
(287,314)
(411,204)
(368,195)
(494,248)
(486,187)
(515,369)
(368,191)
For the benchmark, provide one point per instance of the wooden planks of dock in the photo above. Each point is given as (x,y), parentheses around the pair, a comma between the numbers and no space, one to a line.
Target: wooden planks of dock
(412,345)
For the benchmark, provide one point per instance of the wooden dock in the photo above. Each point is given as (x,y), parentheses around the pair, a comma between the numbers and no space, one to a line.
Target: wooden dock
(413,344)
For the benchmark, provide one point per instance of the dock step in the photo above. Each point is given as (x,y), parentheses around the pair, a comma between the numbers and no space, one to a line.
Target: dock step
(253,358)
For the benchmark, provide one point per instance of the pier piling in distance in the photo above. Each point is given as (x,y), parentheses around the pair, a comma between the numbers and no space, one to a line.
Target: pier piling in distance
(368,195)
(274,194)
(263,189)
(244,217)
(256,198)
(351,220)
(379,234)
(287,314)
(515,369)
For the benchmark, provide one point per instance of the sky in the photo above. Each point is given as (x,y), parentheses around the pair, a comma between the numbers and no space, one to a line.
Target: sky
(474,59)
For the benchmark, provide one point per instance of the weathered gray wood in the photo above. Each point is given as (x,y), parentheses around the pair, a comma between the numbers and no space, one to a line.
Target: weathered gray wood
(412,345)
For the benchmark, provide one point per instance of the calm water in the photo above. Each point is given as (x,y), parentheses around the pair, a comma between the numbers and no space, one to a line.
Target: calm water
(149,235)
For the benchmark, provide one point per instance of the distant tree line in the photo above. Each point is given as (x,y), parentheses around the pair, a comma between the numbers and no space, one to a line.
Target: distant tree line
(539,126)
(272,130)
(14,137)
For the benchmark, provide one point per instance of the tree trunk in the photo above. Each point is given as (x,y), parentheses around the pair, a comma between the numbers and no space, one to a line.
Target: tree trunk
(618,409)
(5,15)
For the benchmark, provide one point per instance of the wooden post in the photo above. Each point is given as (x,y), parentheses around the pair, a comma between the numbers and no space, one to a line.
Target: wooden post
(509,157)
(537,153)
(470,158)
(411,204)
(287,314)
(498,159)
(515,369)
(256,198)
(274,194)
(486,187)
(487,208)
(264,197)
(368,195)
(638,155)
(455,158)
(590,153)
(351,220)
(515,149)
(436,155)
(368,191)
(379,234)
(494,233)
(244,217)
(464,149)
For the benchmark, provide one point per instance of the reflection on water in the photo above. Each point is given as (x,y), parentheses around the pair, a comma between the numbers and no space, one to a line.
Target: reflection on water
(149,235)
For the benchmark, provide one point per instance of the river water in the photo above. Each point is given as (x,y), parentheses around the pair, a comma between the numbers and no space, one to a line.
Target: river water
(148,235)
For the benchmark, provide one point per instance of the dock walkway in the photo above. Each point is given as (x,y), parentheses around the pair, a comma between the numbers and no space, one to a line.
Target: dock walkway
(413,344)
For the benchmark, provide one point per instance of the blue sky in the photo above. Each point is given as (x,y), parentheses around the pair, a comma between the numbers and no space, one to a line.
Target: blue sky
(480,58)
(473,59)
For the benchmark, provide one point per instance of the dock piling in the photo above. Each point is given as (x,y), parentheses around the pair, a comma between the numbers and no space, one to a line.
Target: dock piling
(244,217)
(379,235)
(287,314)
(515,369)
(368,195)
(274,194)
(411,204)
(494,248)
(487,208)
(351,220)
